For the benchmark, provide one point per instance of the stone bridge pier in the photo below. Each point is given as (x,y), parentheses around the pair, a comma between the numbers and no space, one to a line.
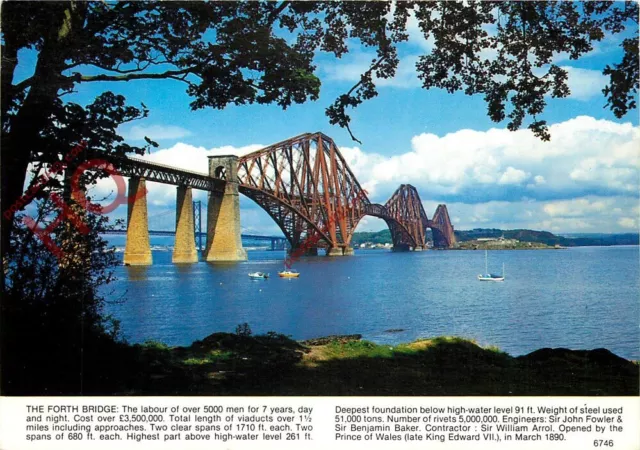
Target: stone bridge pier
(224,241)
(184,249)
(137,251)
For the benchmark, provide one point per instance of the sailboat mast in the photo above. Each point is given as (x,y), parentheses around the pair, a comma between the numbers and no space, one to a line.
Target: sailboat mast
(486,266)
(285,257)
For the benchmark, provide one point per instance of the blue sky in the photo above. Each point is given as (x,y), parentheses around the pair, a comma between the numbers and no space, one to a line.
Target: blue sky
(584,180)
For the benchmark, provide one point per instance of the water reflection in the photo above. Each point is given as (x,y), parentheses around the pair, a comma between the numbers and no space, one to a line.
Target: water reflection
(137,273)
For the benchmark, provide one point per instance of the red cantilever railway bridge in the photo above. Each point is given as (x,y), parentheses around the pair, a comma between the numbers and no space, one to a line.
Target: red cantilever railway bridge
(307,188)
(304,181)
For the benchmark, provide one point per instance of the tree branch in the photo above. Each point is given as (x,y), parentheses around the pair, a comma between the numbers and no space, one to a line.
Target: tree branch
(357,85)
(9,63)
(368,72)
(351,134)
(23,84)
(126,75)
(182,78)
(79,78)
(141,66)
(276,12)
(118,70)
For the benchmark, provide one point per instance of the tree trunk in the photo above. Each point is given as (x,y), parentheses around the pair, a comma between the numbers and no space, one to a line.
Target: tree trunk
(22,140)
(13,172)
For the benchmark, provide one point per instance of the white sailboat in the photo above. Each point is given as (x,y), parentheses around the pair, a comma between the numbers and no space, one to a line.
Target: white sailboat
(490,276)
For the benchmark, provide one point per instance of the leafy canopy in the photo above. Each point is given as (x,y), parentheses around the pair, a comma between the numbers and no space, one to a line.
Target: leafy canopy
(262,52)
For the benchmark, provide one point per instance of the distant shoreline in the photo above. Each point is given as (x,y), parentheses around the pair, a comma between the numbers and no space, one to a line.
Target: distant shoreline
(518,237)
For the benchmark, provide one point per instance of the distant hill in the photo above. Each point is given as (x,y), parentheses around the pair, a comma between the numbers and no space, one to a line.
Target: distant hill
(375,237)
(543,237)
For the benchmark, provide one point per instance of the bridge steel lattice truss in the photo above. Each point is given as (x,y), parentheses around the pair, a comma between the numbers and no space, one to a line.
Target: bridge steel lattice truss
(307,187)
(160,173)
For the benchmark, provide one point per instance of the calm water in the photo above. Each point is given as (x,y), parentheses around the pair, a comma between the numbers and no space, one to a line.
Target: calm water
(580,298)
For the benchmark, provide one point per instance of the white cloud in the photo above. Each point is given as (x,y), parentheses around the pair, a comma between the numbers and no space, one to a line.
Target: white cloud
(154,132)
(585,156)
(406,75)
(559,57)
(512,176)
(628,222)
(188,157)
(539,179)
(610,43)
(580,207)
(180,155)
(585,214)
(582,180)
(355,64)
(585,83)
(350,68)
(591,213)
(416,36)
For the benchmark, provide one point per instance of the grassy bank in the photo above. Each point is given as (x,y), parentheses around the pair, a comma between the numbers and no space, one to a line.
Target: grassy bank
(273,364)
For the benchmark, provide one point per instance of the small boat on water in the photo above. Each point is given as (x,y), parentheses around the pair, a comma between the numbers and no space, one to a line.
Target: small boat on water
(490,276)
(289,274)
(258,275)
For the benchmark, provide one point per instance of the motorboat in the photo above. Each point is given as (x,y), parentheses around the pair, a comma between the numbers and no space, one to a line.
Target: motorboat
(258,275)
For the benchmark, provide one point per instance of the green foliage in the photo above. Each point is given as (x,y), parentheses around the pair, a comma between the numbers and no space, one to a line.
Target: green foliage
(226,364)
(276,337)
(622,91)
(375,237)
(155,345)
(367,349)
(243,329)
(53,321)
(358,349)
(210,358)
(505,52)
(262,52)
(495,349)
